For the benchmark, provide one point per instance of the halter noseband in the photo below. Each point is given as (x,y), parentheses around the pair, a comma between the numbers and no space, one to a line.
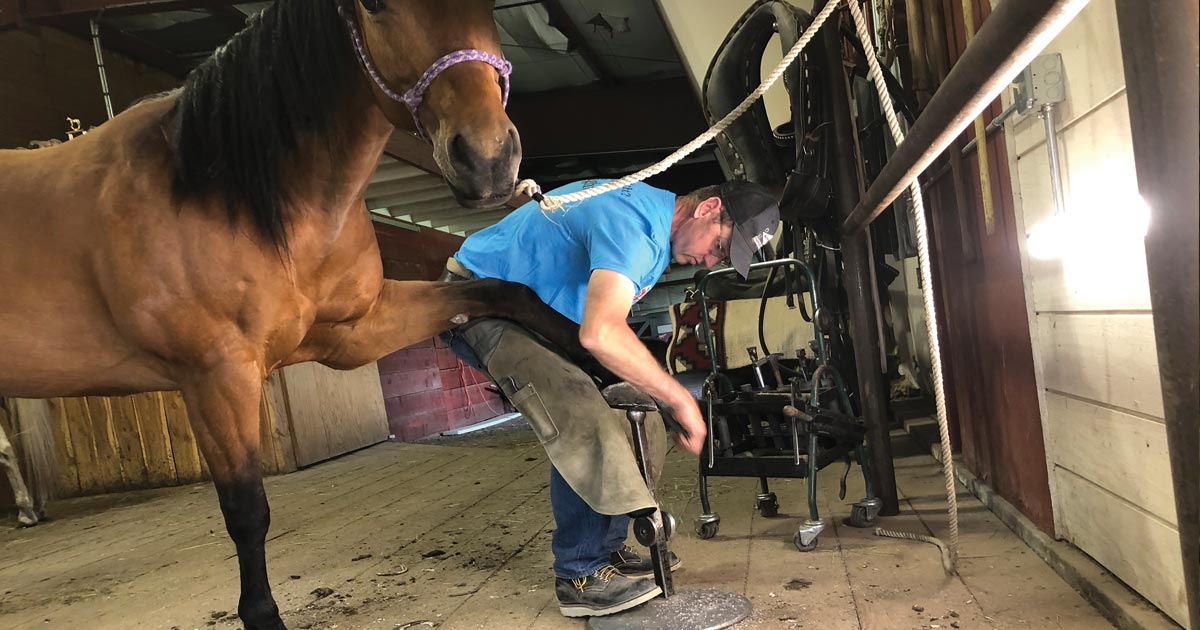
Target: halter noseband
(413,98)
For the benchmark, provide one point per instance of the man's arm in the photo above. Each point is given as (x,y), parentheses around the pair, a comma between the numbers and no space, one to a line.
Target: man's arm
(606,335)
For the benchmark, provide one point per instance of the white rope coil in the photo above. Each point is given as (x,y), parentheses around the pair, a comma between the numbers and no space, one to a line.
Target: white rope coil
(554,202)
(935,354)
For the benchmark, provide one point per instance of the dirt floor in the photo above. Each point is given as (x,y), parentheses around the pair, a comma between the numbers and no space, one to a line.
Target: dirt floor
(454,533)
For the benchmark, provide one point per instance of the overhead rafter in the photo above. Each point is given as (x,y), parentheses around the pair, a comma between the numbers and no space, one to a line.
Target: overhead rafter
(127,45)
(13,12)
(452,215)
(480,221)
(607,120)
(561,20)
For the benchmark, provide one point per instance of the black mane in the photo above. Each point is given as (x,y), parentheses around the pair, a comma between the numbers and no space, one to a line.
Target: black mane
(242,111)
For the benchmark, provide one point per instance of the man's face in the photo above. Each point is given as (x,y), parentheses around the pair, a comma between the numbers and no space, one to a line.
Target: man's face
(702,239)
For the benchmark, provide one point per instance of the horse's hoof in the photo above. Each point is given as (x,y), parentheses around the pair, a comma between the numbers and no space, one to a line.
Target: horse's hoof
(267,619)
(27,520)
(275,624)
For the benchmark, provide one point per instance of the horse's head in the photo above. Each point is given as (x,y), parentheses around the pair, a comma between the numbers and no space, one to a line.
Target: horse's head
(443,58)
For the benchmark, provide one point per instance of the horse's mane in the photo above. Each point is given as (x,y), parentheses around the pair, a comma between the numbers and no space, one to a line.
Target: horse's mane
(241,112)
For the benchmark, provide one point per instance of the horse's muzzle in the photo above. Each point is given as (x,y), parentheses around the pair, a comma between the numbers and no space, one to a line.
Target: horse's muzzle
(482,168)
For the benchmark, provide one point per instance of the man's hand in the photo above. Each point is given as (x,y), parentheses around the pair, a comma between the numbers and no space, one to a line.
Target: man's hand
(687,414)
(606,335)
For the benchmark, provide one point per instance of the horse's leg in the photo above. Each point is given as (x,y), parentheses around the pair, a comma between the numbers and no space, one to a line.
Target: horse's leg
(408,312)
(26,515)
(222,407)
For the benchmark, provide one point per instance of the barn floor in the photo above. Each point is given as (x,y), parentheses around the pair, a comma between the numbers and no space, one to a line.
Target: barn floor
(455,533)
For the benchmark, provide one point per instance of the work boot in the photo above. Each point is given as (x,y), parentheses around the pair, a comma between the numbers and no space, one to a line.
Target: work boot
(633,564)
(602,593)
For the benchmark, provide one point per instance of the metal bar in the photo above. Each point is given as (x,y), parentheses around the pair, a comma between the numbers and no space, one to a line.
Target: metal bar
(1160,47)
(1056,187)
(873,395)
(1010,38)
(95,28)
(993,126)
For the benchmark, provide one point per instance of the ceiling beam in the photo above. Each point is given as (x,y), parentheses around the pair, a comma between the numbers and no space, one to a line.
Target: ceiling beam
(403,186)
(395,171)
(591,119)
(481,221)
(454,215)
(395,200)
(407,147)
(423,207)
(561,20)
(124,44)
(40,9)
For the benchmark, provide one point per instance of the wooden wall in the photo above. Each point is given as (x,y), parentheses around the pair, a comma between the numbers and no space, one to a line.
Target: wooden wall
(987,351)
(109,444)
(48,75)
(1091,314)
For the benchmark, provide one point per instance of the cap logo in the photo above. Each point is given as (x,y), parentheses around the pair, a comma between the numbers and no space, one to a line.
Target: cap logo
(761,239)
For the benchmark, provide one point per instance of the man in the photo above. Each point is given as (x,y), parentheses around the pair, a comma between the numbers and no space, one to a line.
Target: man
(591,261)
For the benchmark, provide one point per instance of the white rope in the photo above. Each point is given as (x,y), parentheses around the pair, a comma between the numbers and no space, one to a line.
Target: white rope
(553,202)
(918,212)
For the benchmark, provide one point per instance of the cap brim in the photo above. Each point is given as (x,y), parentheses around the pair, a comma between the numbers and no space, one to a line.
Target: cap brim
(751,236)
(741,254)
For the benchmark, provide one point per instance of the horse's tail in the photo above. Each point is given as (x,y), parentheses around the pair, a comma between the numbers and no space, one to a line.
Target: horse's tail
(31,426)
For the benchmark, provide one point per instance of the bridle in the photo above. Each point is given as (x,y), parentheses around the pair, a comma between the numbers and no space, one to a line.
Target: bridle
(414,96)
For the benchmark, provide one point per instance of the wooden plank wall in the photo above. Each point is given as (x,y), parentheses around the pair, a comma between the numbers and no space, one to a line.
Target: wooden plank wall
(110,444)
(1091,315)
(991,390)
(332,412)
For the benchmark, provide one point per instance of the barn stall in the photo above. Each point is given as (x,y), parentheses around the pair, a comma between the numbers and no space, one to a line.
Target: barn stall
(1064,401)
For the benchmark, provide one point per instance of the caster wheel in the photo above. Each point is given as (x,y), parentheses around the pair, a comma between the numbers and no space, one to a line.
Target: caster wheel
(707,526)
(768,505)
(860,518)
(800,546)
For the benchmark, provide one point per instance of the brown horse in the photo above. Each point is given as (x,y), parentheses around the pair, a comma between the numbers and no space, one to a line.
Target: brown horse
(206,237)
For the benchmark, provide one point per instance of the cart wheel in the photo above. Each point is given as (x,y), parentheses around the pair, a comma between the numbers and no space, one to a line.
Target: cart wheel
(801,546)
(861,517)
(767,504)
(707,526)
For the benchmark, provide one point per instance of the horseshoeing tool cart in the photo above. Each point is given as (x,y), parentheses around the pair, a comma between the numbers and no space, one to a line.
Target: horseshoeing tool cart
(793,420)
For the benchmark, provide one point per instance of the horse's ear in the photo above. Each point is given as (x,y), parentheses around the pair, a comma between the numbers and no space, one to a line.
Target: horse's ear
(372,6)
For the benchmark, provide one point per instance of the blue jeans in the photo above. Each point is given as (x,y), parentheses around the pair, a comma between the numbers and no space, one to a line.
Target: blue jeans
(583,538)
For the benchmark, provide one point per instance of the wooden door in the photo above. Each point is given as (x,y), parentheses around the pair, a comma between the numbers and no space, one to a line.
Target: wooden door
(332,412)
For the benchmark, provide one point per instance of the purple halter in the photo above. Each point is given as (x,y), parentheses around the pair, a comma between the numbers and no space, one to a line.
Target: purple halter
(413,98)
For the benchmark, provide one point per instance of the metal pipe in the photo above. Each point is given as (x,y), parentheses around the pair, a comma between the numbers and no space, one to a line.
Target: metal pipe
(95,23)
(873,395)
(1056,187)
(1009,39)
(1160,47)
(993,126)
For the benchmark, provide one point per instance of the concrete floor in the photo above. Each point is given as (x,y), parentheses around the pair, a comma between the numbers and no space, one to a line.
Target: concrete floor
(455,534)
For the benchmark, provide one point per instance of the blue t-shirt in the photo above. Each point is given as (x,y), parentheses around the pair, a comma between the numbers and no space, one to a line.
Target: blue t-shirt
(554,253)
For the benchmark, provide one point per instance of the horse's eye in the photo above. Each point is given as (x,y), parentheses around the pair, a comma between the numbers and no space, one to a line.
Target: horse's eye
(372,6)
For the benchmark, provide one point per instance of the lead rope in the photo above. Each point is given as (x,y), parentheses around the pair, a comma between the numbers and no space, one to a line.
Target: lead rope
(554,202)
(949,556)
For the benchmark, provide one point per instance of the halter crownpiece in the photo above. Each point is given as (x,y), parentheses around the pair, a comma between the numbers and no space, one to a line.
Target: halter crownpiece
(415,96)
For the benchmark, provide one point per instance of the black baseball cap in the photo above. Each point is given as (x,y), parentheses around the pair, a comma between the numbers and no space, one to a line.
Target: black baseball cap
(755,213)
